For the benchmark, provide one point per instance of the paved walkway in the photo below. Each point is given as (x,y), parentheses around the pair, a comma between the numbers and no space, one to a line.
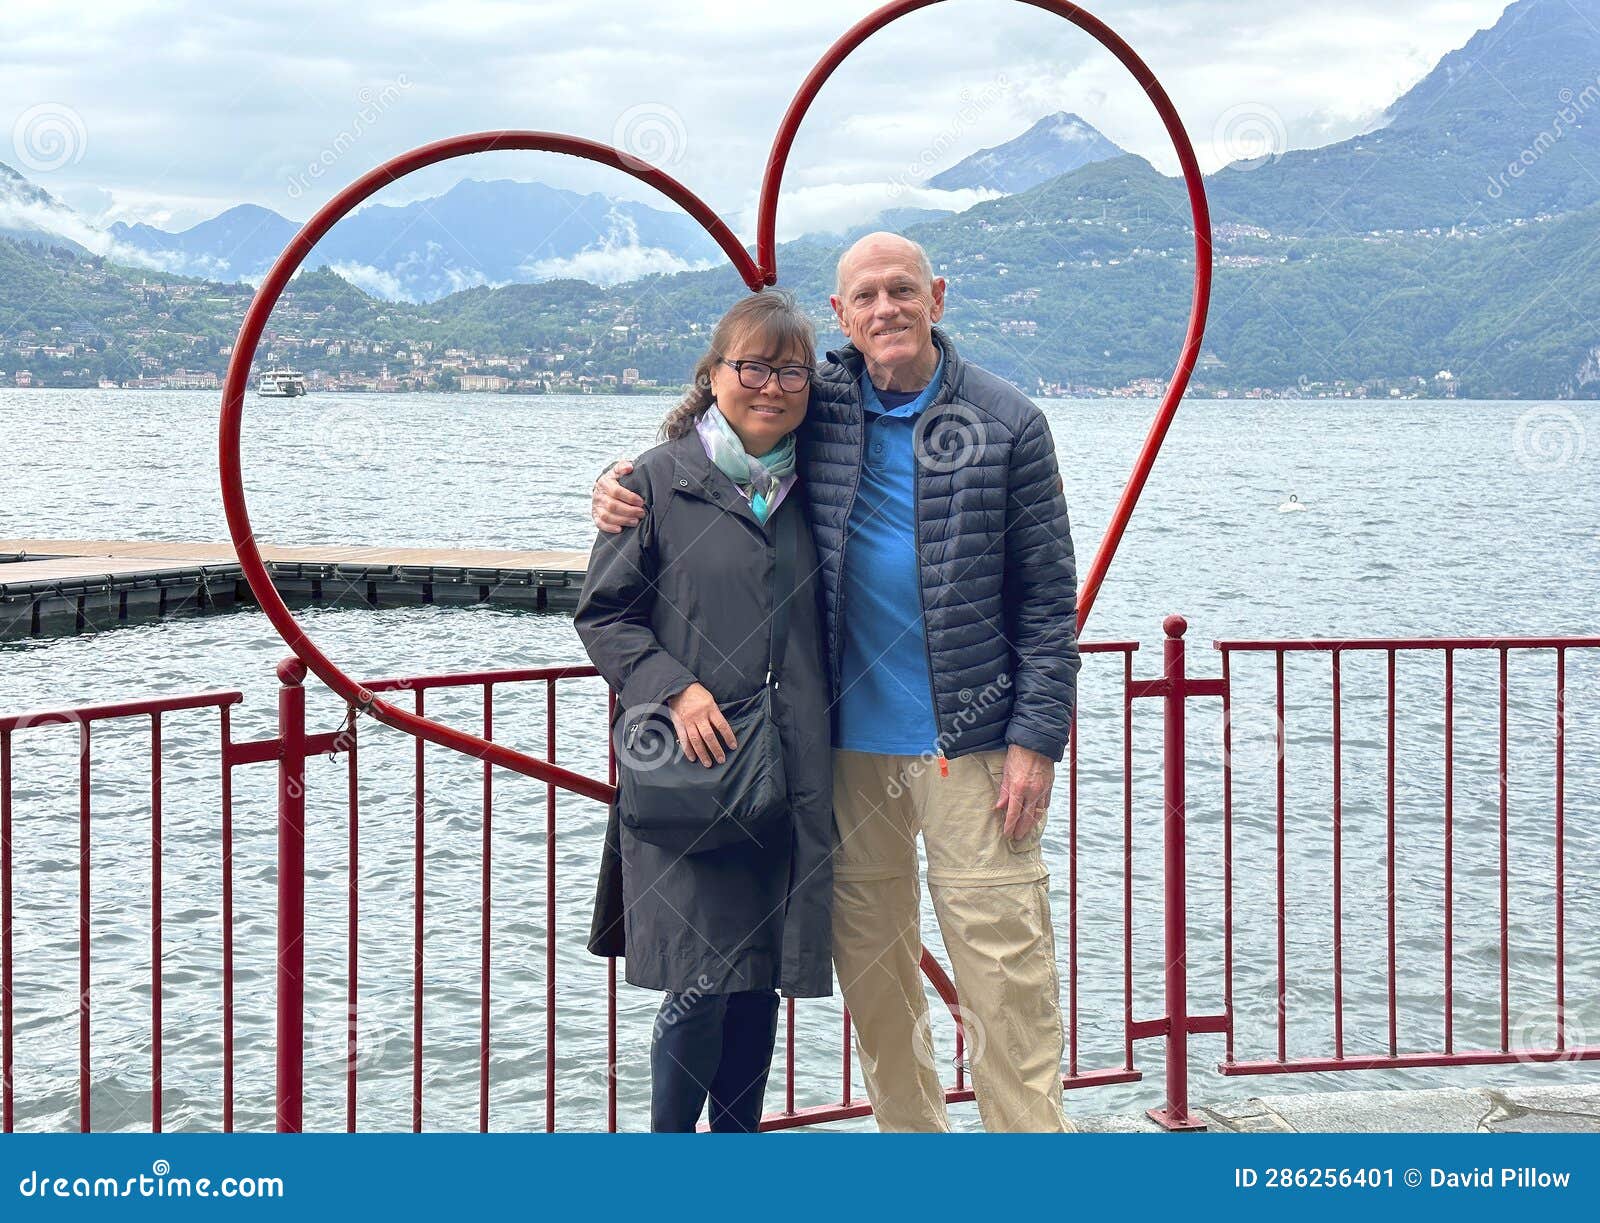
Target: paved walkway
(1450,1110)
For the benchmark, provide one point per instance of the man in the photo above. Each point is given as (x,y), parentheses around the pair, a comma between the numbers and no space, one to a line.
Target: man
(951,606)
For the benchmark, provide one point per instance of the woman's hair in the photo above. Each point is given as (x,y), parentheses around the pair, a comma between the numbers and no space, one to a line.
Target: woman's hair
(770,323)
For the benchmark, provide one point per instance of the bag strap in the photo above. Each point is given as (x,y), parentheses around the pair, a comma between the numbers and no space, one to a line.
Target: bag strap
(783,584)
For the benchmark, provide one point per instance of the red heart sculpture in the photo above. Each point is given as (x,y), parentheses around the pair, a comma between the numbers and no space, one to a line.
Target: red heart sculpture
(761,271)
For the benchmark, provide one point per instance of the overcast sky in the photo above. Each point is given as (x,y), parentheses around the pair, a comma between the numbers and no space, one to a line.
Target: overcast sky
(171,112)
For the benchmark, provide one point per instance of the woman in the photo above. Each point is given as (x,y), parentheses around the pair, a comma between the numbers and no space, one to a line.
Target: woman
(675,612)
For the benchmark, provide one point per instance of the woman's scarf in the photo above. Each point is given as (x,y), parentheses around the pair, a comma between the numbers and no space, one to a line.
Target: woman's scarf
(760,475)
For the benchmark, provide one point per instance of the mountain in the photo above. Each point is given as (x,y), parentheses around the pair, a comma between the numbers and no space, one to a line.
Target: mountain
(1057,144)
(1506,126)
(501,232)
(1083,281)
(29,213)
(475,233)
(1053,146)
(240,242)
(505,231)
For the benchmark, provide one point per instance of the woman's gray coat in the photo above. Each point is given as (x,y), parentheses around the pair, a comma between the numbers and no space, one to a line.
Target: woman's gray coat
(683,596)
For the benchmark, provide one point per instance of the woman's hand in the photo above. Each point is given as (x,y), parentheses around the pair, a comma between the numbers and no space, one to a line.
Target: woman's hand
(700,725)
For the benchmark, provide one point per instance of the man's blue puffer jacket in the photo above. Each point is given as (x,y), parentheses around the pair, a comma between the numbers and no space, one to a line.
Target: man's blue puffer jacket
(999,579)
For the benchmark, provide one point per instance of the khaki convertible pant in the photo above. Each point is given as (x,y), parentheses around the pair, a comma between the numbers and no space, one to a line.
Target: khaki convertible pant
(991,896)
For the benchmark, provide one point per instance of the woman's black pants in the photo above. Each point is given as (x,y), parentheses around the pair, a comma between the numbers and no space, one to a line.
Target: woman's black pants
(711,1045)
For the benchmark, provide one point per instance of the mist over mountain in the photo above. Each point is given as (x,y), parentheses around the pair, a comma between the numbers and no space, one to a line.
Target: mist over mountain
(476,233)
(498,232)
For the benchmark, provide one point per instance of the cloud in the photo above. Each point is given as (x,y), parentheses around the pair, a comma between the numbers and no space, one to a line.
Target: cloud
(103,206)
(63,223)
(837,207)
(369,279)
(468,278)
(616,258)
(228,105)
(430,272)
(610,264)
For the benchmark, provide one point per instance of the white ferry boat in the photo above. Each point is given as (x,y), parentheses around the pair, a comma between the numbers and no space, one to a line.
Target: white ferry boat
(283,383)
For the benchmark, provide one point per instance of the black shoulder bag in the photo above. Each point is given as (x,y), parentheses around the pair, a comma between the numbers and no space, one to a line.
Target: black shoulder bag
(671,801)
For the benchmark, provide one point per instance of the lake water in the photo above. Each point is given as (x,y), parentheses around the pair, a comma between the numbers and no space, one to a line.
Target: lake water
(1418,518)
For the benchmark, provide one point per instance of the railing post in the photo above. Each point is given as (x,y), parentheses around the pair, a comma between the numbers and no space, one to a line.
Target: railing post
(291,892)
(1175,693)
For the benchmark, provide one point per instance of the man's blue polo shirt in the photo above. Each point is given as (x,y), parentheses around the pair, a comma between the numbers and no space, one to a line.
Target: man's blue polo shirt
(886,692)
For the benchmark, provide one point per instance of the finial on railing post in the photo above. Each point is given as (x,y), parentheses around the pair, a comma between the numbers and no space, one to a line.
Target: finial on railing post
(291,893)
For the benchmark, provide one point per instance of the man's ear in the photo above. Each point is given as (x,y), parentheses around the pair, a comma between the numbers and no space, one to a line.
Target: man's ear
(937,312)
(837,303)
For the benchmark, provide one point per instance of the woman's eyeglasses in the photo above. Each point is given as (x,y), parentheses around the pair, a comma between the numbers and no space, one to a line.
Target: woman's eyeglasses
(753,375)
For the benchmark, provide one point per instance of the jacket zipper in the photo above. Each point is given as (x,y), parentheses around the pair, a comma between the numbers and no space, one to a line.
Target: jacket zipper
(922,602)
(844,542)
(632,732)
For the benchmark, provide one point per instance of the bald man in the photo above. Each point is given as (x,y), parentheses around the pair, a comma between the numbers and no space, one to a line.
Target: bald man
(950,590)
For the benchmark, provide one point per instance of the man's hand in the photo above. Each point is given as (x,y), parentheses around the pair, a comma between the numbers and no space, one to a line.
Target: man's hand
(699,722)
(1024,789)
(610,505)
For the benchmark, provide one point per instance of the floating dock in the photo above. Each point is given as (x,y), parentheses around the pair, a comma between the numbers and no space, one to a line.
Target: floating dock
(59,587)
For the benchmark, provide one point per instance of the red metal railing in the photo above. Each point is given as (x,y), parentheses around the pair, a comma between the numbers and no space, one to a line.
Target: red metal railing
(85,718)
(1448,1055)
(291,996)
(293,746)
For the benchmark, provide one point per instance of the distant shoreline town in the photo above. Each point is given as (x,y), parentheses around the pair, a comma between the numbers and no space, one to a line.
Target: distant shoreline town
(629,383)
(76,357)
